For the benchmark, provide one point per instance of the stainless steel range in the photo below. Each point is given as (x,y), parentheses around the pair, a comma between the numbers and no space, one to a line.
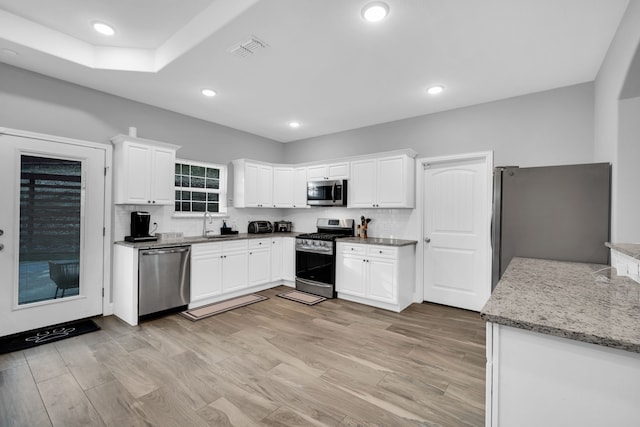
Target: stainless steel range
(316,256)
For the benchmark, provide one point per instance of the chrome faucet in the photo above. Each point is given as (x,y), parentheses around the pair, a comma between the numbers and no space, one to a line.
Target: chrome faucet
(204,222)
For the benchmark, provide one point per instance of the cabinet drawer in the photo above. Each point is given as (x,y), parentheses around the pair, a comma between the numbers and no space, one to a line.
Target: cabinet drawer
(206,248)
(354,249)
(259,243)
(234,245)
(382,251)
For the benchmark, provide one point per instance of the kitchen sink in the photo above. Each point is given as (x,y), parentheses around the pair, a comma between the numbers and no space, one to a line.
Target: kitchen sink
(220,236)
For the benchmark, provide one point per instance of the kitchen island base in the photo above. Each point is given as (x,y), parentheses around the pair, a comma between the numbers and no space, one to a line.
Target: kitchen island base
(537,380)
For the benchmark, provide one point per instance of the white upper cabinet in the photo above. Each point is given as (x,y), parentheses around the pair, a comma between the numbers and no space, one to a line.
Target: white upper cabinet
(330,171)
(300,187)
(144,171)
(385,182)
(283,185)
(253,184)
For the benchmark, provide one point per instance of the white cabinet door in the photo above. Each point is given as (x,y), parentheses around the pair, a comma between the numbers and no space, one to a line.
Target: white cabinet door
(135,164)
(283,185)
(300,188)
(338,170)
(265,186)
(391,182)
(251,196)
(362,186)
(162,183)
(206,271)
(316,173)
(351,272)
(381,283)
(330,171)
(276,259)
(289,259)
(259,266)
(234,271)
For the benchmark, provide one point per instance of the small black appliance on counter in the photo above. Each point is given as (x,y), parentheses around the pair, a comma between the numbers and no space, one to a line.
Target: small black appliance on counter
(260,227)
(282,226)
(140,221)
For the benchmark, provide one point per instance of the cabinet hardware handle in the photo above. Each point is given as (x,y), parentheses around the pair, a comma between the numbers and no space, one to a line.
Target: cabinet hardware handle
(1,246)
(1,232)
(148,201)
(427,240)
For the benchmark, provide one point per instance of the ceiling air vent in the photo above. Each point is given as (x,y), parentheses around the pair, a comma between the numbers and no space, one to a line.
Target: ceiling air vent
(248,47)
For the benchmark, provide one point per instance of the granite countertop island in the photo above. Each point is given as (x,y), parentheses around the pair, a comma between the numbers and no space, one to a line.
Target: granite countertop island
(377,241)
(630,249)
(189,240)
(584,302)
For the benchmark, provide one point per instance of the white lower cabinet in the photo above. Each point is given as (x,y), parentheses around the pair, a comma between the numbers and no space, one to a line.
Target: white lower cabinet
(259,261)
(381,276)
(206,270)
(276,259)
(223,270)
(289,259)
(216,269)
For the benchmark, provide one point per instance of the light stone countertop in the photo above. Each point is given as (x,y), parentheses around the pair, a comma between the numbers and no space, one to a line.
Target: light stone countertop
(631,249)
(190,240)
(377,241)
(584,302)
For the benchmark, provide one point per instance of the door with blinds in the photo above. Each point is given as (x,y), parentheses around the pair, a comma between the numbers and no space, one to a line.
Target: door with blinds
(51,222)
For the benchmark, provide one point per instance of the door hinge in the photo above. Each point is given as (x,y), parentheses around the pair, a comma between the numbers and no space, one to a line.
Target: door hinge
(105,171)
(104,231)
(102,292)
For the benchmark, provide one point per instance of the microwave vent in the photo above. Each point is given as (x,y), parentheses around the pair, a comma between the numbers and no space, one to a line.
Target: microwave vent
(248,47)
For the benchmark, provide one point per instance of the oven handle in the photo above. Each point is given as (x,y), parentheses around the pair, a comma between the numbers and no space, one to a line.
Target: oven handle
(312,251)
(312,283)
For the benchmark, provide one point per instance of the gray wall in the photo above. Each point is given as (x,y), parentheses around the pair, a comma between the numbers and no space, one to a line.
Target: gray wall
(37,103)
(616,134)
(546,128)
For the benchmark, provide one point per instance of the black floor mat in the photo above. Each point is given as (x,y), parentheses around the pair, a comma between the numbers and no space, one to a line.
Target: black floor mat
(46,335)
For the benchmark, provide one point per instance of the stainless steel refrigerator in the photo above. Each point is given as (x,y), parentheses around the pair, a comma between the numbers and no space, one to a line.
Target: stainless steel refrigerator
(554,212)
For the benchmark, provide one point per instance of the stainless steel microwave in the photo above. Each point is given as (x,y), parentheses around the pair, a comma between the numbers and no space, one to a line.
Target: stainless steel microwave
(327,193)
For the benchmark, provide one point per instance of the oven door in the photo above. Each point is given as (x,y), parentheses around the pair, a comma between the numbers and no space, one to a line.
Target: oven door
(315,273)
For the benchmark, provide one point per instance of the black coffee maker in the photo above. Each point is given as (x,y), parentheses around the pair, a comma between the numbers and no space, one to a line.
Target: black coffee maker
(140,221)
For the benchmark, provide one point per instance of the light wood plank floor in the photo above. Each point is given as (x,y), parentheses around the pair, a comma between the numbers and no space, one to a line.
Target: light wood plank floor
(274,363)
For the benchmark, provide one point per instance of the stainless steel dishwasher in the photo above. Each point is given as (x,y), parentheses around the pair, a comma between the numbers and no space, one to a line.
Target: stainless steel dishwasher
(163,279)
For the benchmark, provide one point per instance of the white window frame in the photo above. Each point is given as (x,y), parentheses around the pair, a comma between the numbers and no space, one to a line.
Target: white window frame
(221,191)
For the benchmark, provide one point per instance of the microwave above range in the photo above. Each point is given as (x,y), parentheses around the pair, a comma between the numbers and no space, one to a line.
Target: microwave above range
(327,193)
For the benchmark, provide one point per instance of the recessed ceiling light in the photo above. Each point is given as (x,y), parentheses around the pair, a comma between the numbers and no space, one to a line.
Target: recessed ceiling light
(208,92)
(375,11)
(102,28)
(294,124)
(435,90)
(9,52)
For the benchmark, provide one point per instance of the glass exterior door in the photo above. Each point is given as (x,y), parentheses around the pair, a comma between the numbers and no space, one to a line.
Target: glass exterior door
(52,214)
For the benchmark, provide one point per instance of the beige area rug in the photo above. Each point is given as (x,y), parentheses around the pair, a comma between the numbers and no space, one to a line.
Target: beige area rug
(302,297)
(221,307)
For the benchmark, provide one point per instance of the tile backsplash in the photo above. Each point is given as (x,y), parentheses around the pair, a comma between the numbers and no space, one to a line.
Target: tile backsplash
(387,223)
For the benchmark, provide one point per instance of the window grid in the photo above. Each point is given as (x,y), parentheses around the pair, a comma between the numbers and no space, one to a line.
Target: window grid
(199,187)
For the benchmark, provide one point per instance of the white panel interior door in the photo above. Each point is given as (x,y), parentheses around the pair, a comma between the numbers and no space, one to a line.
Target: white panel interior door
(456,234)
(52,217)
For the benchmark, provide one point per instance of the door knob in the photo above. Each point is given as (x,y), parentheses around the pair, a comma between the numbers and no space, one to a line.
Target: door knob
(427,240)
